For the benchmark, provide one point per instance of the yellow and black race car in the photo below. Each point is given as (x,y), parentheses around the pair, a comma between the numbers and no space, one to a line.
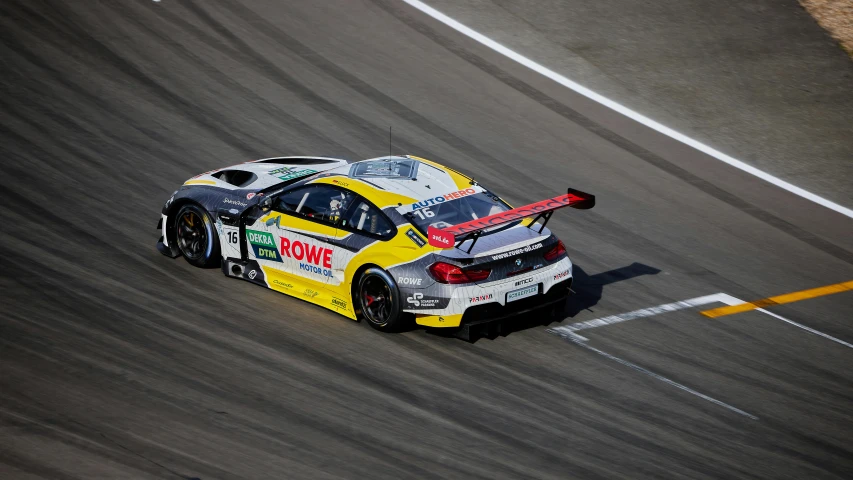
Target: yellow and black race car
(385,239)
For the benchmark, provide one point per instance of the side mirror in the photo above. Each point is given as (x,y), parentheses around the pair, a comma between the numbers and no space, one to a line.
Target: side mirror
(266,204)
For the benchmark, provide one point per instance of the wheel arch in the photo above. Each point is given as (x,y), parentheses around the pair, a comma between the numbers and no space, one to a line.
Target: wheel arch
(406,321)
(174,208)
(356,277)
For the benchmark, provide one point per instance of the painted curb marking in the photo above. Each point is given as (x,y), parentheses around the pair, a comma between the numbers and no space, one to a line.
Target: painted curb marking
(779,299)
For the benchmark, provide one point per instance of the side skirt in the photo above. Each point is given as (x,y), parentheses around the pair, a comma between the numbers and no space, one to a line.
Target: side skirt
(321,295)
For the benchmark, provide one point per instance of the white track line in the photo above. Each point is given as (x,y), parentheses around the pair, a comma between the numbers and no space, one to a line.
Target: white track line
(730,300)
(570,331)
(625,110)
(643,312)
(662,378)
(808,329)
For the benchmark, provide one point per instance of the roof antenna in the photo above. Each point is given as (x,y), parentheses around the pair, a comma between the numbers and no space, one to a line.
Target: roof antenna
(389,143)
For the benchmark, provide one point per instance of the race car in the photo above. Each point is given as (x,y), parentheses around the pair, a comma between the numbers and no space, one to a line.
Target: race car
(386,240)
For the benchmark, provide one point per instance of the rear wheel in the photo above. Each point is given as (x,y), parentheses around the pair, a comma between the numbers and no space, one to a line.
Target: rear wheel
(380,302)
(196,236)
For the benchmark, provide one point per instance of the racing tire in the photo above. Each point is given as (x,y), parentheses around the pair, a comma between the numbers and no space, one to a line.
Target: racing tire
(380,301)
(196,237)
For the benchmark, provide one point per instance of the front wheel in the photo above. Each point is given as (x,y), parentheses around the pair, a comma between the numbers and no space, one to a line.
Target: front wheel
(196,236)
(380,301)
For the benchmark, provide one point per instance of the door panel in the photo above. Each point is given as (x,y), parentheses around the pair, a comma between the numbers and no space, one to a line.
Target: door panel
(292,245)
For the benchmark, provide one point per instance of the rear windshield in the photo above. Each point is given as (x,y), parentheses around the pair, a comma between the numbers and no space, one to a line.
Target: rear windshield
(385,169)
(460,210)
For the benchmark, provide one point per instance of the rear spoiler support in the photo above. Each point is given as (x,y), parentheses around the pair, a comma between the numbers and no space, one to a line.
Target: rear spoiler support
(545,217)
(456,235)
(473,236)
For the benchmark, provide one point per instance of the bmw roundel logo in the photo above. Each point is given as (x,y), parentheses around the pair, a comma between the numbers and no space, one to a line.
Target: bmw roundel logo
(517,262)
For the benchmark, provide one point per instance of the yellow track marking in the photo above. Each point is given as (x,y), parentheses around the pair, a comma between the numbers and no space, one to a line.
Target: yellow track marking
(780,299)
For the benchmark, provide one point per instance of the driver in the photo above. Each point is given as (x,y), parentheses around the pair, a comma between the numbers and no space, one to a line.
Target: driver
(337,206)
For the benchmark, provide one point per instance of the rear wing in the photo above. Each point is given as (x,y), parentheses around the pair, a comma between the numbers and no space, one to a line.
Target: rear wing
(458,234)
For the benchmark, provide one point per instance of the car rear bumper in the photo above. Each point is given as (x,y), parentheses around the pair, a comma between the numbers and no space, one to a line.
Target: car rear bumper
(494,319)
(491,312)
(487,302)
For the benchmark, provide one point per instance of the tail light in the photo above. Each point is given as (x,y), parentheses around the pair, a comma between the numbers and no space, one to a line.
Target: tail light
(447,273)
(555,252)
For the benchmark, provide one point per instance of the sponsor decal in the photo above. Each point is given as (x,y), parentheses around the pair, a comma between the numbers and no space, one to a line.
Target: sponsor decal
(561,275)
(522,293)
(289,173)
(420,242)
(312,258)
(282,284)
(443,198)
(438,237)
(337,302)
(263,245)
(253,274)
(310,293)
(409,280)
(260,238)
(418,300)
(517,251)
(480,298)
(517,262)
(235,202)
(343,184)
(250,195)
(524,282)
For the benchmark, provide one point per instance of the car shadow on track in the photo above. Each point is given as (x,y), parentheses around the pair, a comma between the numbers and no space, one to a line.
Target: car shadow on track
(588,290)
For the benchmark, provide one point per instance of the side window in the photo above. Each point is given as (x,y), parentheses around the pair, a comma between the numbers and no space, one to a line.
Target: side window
(364,217)
(323,203)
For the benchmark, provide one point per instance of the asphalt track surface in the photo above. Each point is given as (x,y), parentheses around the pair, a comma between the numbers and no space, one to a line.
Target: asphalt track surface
(118,362)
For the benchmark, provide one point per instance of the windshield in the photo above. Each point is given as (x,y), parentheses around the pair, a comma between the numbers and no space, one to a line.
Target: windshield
(460,210)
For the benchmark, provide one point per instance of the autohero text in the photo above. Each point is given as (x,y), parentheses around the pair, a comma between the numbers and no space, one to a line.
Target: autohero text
(441,199)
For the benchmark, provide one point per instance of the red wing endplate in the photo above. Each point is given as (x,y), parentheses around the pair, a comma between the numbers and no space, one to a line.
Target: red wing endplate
(446,237)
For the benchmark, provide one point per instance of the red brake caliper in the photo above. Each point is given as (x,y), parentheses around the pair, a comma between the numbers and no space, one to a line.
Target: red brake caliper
(369,299)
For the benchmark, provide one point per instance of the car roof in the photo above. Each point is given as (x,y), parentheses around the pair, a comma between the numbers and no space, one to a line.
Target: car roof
(265,173)
(394,180)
